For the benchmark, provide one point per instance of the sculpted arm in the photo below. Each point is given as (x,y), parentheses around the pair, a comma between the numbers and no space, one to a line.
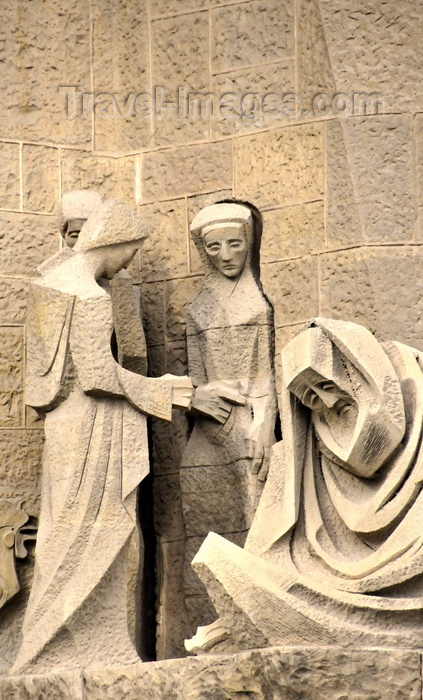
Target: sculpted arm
(99,373)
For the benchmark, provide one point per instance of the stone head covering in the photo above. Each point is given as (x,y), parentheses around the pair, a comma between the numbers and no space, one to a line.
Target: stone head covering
(78,204)
(111,224)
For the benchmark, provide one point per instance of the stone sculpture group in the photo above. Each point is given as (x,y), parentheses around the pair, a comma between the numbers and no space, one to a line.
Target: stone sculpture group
(330,514)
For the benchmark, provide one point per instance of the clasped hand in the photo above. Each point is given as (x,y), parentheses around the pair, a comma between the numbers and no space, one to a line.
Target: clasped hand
(216,399)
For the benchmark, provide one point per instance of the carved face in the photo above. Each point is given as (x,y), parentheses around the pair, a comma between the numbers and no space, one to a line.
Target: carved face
(335,410)
(227,248)
(114,258)
(354,396)
(71,233)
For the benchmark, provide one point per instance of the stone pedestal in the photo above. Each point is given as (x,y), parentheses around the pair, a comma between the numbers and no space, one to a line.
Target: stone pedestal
(278,673)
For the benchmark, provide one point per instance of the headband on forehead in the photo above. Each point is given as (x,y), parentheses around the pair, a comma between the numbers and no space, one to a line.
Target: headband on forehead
(225,213)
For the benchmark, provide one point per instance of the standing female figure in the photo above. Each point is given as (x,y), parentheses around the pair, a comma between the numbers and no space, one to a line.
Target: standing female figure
(230,360)
(95,455)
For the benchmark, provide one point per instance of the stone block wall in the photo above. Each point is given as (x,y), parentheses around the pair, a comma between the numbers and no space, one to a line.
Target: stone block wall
(341,188)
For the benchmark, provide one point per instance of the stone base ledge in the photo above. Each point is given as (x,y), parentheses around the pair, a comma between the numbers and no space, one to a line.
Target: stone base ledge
(278,673)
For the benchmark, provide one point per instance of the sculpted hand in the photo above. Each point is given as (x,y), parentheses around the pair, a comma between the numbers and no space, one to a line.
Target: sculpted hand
(216,400)
(182,393)
(259,454)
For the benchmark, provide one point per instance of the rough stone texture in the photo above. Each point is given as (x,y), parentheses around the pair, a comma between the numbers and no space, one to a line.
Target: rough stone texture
(278,673)
(43,51)
(253,98)
(13,299)
(292,232)
(40,178)
(378,298)
(181,62)
(21,464)
(172,616)
(66,686)
(164,252)
(285,166)
(313,64)
(179,293)
(380,155)
(382,46)
(120,67)
(153,306)
(235,479)
(26,241)
(112,177)
(186,170)
(252,33)
(169,523)
(292,288)
(168,7)
(344,225)
(11,373)
(9,176)
(418,130)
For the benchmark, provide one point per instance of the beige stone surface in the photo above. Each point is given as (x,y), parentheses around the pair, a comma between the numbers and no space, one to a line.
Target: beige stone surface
(120,70)
(44,51)
(345,223)
(12,375)
(27,239)
(387,40)
(9,176)
(169,440)
(293,231)
(168,518)
(377,298)
(172,616)
(112,177)
(153,307)
(380,156)
(169,7)
(251,33)
(285,166)
(21,452)
(40,178)
(179,294)
(200,483)
(418,131)
(314,71)
(292,288)
(66,686)
(278,673)
(253,98)
(164,253)
(181,61)
(186,170)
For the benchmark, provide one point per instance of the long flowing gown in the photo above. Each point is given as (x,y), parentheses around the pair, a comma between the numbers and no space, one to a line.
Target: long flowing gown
(229,338)
(95,455)
(335,556)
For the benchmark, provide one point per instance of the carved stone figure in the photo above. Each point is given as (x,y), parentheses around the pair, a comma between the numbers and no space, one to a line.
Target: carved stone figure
(96,451)
(230,361)
(15,530)
(335,552)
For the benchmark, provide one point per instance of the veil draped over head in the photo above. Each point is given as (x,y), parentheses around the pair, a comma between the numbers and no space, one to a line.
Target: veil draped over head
(351,514)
